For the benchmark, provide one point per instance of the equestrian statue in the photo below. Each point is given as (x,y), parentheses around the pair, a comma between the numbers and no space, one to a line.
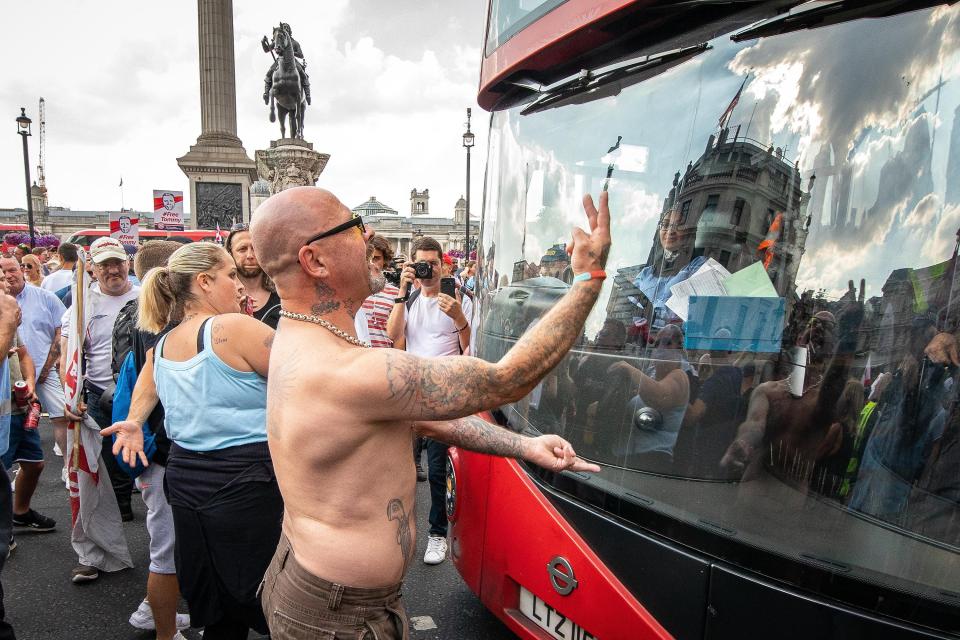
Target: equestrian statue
(286,86)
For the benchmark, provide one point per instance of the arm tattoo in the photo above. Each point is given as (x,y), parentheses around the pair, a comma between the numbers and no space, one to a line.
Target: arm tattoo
(219,337)
(433,388)
(395,511)
(475,434)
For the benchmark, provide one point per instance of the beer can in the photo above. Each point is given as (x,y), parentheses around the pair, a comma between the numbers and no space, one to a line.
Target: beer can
(33,418)
(20,393)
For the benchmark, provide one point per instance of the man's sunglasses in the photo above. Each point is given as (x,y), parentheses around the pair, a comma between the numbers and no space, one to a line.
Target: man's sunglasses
(355,221)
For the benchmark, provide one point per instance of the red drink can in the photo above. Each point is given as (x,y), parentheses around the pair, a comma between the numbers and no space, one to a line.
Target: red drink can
(20,393)
(33,418)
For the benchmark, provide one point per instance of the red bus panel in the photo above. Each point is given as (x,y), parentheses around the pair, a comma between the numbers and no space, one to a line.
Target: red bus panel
(523,534)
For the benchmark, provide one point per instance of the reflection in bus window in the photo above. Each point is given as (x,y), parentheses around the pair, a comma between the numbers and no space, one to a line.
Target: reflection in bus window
(775,350)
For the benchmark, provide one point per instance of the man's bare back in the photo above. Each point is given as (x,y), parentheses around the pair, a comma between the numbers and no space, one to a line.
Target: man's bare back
(348,484)
(340,418)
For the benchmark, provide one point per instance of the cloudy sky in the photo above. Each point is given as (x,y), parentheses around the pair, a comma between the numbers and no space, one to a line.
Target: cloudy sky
(390,82)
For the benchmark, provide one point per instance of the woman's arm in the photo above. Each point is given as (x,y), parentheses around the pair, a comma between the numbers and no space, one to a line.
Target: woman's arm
(662,395)
(243,342)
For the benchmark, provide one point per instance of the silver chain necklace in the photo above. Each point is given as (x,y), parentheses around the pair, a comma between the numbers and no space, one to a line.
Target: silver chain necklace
(329,326)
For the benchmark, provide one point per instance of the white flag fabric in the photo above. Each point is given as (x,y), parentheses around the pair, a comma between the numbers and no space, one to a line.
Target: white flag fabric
(97,534)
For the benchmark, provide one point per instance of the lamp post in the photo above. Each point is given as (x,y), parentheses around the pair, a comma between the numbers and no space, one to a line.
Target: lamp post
(23,128)
(468,140)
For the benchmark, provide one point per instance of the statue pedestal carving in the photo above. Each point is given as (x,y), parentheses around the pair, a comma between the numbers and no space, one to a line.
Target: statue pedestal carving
(290,162)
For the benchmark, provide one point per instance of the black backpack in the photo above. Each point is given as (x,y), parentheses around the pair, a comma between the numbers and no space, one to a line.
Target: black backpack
(124,330)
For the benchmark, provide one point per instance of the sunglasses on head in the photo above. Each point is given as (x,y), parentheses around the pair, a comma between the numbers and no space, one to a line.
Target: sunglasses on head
(355,221)
(240,226)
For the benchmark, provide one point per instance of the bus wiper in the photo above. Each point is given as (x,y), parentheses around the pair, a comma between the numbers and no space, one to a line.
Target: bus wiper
(812,15)
(585,84)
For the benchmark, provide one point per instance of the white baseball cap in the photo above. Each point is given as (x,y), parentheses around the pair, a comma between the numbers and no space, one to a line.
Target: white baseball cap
(106,248)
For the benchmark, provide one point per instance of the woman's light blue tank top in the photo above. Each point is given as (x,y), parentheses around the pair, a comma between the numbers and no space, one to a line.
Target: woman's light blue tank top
(210,405)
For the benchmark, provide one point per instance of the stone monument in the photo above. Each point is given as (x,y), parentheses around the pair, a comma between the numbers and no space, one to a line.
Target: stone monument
(218,167)
(290,161)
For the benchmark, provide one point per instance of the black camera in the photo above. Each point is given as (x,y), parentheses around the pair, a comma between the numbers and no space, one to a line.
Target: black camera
(393,277)
(423,270)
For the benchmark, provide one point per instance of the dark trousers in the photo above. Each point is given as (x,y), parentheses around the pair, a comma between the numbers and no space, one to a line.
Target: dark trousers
(122,483)
(437,474)
(227,515)
(6,531)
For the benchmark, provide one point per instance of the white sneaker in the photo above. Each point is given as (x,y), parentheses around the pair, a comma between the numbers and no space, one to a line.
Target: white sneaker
(65,477)
(56,450)
(436,550)
(178,635)
(142,618)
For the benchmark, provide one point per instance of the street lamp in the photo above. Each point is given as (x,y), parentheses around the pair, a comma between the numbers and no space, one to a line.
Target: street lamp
(468,140)
(23,128)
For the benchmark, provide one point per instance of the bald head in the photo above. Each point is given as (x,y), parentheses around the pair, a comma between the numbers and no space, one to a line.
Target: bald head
(326,275)
(285,221)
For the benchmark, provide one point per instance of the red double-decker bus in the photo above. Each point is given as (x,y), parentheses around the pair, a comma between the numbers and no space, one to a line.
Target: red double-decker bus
(769,378)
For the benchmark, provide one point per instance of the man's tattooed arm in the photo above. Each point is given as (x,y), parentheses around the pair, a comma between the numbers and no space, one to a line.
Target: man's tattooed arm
(475,434)
(53,357)
(454,386)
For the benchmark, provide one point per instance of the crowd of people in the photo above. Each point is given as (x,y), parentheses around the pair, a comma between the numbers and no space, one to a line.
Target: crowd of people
(224,384)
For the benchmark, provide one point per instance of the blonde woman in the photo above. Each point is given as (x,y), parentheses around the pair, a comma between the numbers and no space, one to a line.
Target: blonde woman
(31,270)
(210,374)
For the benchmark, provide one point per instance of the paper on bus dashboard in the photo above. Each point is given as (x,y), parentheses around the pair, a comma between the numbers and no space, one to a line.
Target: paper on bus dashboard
(750,282)
(707,281)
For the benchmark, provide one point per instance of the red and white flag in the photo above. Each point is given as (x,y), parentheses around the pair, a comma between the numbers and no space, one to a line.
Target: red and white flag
(219,237)
(725,118)
(97,531)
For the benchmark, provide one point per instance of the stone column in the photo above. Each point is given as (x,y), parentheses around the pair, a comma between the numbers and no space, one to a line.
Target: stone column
(219,169)
(218,91)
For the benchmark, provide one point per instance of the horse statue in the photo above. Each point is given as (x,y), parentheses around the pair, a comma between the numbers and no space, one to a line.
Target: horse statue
(285,83)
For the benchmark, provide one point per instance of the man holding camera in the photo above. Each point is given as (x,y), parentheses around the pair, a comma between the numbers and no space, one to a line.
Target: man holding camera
(433,323)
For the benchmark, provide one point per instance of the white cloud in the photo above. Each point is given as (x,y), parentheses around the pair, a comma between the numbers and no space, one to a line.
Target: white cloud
(122,94)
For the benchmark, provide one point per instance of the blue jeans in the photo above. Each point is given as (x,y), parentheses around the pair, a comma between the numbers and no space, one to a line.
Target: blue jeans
(437,466)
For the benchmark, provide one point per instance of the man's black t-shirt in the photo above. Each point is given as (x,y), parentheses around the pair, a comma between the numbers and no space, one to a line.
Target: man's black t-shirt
(269,314)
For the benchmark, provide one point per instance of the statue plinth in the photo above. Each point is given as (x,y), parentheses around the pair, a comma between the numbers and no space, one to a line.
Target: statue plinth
(290,162)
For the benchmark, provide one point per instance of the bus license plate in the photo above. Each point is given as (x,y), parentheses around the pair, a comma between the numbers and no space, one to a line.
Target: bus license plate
(550,620)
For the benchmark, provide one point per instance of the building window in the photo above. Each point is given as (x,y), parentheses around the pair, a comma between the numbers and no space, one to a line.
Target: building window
(684,212)
(737,212)
(712,201)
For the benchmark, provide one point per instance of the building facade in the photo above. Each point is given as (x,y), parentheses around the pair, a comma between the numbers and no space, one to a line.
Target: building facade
(401,231)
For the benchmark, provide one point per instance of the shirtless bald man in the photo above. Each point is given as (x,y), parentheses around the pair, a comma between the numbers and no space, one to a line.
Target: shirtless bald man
(340,417)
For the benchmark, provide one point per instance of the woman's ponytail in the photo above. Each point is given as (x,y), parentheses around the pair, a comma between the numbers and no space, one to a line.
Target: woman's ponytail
(157,300)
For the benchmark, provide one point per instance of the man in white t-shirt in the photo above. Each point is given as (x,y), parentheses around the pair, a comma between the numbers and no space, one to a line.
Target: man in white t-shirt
(433,324)
(111,291)
(60,280)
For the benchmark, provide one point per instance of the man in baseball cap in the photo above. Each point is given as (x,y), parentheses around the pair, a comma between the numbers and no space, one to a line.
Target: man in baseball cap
(112,291)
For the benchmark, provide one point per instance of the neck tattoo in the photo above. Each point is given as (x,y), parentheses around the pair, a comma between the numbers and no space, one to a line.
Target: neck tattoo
(329,326)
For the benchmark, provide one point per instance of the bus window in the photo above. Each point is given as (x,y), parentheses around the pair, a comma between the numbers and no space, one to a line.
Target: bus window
(774,350)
